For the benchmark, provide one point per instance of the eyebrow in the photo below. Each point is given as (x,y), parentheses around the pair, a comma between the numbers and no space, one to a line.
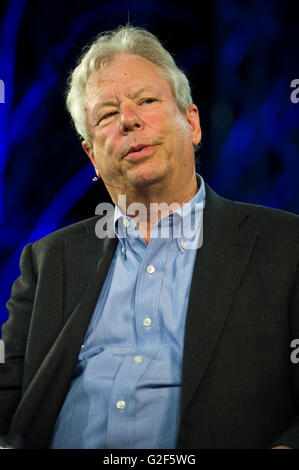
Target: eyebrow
(139,92)
(133,95)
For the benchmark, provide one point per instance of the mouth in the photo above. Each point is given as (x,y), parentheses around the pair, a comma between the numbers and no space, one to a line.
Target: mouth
(138,152)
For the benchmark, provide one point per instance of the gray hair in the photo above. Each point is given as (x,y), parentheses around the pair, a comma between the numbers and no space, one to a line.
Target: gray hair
(128,39)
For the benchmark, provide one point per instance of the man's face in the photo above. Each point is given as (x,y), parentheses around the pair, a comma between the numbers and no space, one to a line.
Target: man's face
(139,137)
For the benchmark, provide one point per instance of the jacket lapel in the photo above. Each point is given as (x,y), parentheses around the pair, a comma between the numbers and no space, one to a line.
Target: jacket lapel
(45,394)
(219,266)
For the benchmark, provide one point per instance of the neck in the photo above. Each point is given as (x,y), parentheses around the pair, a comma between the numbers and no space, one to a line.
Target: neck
(151,205)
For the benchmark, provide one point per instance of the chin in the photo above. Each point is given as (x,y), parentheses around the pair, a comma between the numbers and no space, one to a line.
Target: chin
(147,179)
(143,176)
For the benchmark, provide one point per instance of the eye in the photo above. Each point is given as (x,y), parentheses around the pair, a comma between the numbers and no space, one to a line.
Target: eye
(148,101)
(108,115)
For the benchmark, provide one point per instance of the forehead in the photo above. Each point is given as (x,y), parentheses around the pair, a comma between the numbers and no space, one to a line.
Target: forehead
(126,73)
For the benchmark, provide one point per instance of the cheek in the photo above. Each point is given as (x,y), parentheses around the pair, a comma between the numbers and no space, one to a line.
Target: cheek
(106,152)
(106,142)
(162,126)
(176,131)
(174,121)
(182,130)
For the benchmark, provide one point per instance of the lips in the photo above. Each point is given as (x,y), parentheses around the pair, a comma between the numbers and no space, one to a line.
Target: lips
(138,152)
(135,148)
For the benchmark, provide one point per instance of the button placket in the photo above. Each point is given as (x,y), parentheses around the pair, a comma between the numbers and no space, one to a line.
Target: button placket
(121,418)
(148,292)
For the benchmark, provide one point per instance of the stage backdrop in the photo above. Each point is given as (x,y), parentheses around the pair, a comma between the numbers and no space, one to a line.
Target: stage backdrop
(241,58)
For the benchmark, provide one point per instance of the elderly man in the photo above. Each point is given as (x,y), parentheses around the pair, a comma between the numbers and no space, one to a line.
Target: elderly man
(138,340)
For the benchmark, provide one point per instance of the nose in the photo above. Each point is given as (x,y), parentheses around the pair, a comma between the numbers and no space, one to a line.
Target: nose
(129,120)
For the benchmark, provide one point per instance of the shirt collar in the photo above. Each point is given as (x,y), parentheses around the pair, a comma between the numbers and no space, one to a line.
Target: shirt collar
(188,213)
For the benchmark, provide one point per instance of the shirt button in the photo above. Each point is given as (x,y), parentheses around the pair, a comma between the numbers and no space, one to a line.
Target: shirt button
(183,245)
(122,249)
(126,222)
(121,404)
(147,322)
(138,359)
(150,269)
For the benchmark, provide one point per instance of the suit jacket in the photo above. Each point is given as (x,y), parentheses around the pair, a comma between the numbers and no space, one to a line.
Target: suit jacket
(239,386)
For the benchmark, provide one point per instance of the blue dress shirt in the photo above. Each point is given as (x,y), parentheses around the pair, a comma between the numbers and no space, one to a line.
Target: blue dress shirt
(125,389)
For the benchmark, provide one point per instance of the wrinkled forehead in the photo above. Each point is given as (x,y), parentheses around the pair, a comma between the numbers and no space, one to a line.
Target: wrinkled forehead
(126,73)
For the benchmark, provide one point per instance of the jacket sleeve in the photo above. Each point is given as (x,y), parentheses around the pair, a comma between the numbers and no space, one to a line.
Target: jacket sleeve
(14,336)
(290,437)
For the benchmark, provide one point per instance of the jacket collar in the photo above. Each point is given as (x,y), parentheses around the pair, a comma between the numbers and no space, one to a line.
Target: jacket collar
(219,266)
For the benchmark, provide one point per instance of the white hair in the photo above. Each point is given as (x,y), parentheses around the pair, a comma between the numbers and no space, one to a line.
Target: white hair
(125,39)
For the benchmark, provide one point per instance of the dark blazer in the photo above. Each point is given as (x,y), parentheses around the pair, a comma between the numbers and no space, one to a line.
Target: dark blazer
(239,386)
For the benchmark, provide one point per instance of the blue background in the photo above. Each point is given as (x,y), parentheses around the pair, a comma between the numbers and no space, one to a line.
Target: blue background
(240,58)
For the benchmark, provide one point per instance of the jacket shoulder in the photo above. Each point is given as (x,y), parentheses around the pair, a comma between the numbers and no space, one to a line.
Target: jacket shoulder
(277,229)
(82,228)
(261,215)
(268,214)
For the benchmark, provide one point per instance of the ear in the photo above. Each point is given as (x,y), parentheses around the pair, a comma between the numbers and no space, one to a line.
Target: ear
(192,116)
(89,152)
